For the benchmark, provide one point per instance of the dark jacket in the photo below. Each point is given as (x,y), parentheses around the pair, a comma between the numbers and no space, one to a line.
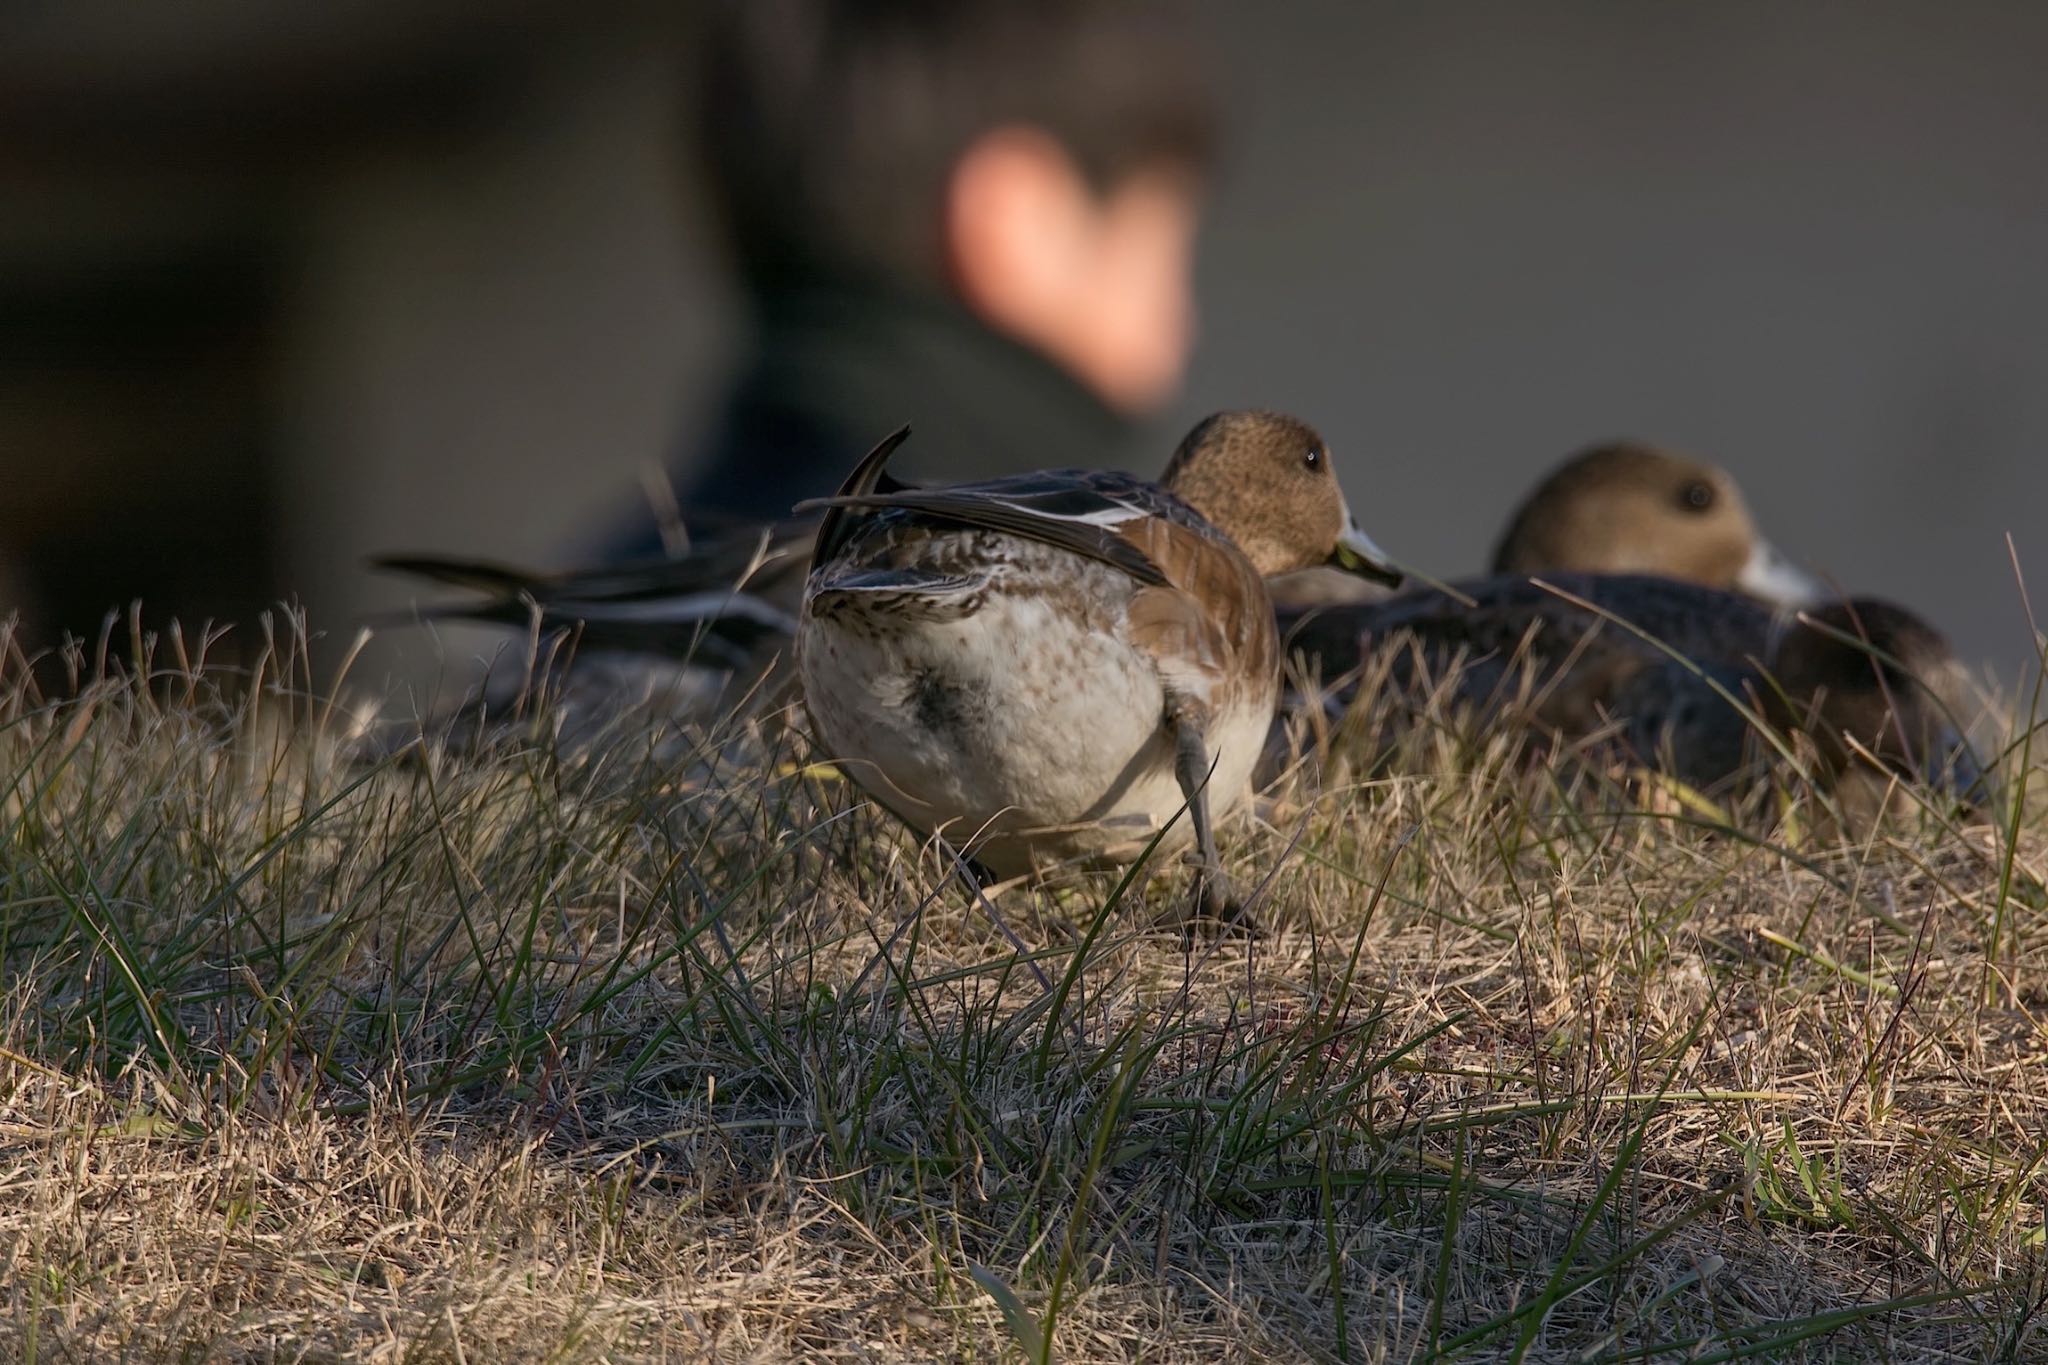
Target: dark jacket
(836,369)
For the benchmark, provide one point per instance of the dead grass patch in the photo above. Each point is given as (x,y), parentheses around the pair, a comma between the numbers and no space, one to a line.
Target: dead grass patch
(665,1046)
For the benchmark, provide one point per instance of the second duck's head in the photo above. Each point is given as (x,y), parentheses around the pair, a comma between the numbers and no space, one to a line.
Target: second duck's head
(1632,508)
(1266,480)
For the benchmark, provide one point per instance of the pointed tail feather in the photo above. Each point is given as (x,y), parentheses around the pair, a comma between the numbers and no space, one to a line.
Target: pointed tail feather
(865,478)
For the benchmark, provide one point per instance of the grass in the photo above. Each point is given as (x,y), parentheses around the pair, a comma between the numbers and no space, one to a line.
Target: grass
(653,1042)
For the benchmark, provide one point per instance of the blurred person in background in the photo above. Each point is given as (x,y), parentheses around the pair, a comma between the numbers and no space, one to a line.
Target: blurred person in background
(974,216)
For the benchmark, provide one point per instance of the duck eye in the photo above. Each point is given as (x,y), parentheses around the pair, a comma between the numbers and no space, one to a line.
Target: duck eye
(1697,496)
(1313,459)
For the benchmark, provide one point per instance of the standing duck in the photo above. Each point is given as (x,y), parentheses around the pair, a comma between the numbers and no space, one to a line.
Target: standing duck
(1050,667)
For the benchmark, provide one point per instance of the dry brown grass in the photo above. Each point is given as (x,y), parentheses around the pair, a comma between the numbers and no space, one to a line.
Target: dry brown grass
(670,1048)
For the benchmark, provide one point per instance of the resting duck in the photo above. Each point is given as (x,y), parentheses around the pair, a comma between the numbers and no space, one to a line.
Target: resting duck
(1048,667)
(1620,508)
(1595,653)
(1628,508)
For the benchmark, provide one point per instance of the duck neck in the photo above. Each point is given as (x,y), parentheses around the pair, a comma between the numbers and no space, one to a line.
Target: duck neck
(1223,509)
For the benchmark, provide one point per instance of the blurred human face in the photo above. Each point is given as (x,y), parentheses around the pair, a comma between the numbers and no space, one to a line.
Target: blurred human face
(1100,282)
(1134,296)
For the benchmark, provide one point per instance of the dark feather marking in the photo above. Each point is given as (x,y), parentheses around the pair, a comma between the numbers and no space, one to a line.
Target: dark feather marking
(1047,508)
(941,707)
(865,478)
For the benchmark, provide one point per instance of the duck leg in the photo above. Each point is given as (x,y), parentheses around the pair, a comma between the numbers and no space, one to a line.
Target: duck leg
(1213,898)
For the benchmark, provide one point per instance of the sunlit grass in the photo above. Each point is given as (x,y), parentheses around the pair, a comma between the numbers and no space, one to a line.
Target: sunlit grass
(646,1041)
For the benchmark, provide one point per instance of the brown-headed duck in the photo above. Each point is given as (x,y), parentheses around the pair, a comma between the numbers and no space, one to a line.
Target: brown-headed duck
(1049,667)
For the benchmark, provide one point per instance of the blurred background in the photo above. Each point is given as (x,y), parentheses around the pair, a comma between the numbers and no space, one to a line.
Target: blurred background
(284,283)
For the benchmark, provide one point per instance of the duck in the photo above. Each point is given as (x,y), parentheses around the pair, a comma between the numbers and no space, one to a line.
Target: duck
(1620,507)
(1673,673)
(1627,507)
(1049,668)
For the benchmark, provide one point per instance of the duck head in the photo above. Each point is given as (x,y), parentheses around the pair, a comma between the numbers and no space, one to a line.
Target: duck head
(1631,508)
(1266,480)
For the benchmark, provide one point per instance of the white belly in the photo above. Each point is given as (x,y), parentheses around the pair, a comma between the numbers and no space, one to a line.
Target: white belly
(1013,731)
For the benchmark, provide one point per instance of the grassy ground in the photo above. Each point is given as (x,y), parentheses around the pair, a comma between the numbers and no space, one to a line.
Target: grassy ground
(673,1049)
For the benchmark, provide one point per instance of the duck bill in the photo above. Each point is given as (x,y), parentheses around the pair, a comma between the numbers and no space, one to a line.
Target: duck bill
(1355,553)
(1770,576)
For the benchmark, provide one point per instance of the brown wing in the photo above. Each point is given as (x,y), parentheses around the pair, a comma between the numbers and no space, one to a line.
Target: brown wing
(1210,625)
(1082,511)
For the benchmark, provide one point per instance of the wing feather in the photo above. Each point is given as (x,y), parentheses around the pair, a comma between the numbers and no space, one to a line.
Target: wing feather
(1089,514)
(866,478)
